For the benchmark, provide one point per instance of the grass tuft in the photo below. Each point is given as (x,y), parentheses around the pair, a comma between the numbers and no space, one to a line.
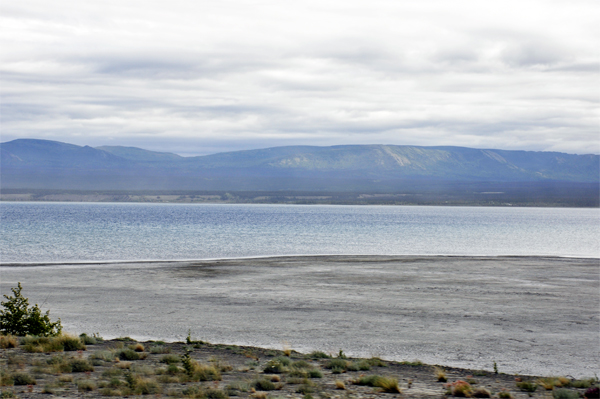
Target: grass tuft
(387,384)
(440,374)
(8,341)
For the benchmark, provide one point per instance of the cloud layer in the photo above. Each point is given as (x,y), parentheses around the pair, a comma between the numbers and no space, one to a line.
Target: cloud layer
(200,77)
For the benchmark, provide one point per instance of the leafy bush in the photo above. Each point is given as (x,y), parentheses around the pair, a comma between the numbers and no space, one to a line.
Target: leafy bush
(18,318)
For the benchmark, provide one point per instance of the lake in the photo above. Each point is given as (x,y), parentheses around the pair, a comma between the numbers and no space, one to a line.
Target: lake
(98,232)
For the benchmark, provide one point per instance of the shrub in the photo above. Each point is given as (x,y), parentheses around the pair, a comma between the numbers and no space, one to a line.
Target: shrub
(8,341)
(236,387)
(202,372)
(170,359)
(527,386)
(262,385)
(128,354)
(137,347)
(215,394)
(337,364)
(71,344)
(305,389)
(505,395)
(460,388)
(592,393)
(274,366)
(440,374)
(318,355)
(563,393)
(315,373)
(301,364)
(87,340)
(23,379)
(156,349)
(17,318)
(80,366)
(145,386)
(376,362)
(387,384)
(85,385)
(481,393)
(583,383)
(363,365)
(340,384)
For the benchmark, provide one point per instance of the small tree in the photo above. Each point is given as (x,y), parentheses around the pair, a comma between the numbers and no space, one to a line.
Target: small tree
(18,318)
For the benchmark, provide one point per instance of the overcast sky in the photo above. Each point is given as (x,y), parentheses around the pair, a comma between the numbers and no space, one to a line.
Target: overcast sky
(196,77)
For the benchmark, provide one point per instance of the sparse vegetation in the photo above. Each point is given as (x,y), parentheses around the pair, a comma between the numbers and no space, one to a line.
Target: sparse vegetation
(527,386)
(179,370)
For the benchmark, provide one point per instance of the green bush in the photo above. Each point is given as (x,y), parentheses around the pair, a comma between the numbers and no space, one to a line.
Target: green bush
(87,340)
(215,394)
(318,355)
(337,364)
(23,379)
(263,385)
(80,366)
(128,354)
(170,359)
(274,366)
(18,318)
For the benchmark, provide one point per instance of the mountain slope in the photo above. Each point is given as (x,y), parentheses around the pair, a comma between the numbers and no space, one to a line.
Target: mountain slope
(29,163)
(138,154)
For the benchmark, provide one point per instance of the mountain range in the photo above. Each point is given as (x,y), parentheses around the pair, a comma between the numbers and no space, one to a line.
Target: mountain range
(44,164)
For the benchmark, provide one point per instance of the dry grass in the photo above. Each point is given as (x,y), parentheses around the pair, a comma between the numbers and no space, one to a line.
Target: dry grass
(440,374)
(8,341)
(340,384)
(137,347)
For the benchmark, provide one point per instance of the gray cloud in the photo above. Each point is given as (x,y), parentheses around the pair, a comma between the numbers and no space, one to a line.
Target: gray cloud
(195,77)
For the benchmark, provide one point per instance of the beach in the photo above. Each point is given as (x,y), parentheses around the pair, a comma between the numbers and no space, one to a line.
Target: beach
(529,315)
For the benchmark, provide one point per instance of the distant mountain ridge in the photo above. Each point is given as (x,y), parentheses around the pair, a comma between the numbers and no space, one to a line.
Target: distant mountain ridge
(32,163)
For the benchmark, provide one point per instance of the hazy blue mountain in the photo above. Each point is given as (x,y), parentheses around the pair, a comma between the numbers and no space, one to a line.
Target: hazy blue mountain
(43,164)
(138,154)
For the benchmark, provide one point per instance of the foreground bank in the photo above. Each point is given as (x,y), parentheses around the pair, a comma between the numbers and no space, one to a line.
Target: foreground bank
(38,368)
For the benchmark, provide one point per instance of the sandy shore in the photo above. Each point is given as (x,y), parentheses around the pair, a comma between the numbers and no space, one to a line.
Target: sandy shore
(530,315)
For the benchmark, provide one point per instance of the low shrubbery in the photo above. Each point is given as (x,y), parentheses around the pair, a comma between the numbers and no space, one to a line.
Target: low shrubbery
(387,384)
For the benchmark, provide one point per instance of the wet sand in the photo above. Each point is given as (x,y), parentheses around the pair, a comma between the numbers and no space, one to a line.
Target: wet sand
(530,315)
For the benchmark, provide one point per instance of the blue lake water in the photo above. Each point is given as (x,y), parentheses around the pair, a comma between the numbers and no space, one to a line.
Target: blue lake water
(81,232)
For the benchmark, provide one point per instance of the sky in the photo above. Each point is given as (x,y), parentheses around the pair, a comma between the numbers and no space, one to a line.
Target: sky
(199,77)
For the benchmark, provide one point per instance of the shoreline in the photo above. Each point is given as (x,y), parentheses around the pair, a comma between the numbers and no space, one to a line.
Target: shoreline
(458,311)
(69,263)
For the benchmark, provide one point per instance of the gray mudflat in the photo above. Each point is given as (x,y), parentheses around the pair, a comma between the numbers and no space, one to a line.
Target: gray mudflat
(531,315)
